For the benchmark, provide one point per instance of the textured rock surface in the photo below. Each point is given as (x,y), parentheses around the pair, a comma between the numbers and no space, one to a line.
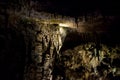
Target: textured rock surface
(45,45)
(81,63)
(43,57)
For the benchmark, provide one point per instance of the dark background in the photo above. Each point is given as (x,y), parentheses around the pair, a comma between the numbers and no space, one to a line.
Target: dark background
(79,7)
(71,7)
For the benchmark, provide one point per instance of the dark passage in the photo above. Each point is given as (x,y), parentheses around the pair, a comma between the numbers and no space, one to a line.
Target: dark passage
(12,55)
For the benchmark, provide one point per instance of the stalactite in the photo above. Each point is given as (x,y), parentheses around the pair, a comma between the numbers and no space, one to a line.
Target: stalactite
(45,44)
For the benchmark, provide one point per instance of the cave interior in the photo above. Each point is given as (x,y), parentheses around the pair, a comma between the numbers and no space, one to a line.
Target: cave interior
(59,40)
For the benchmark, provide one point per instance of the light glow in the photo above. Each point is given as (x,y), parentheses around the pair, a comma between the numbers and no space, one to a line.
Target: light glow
(67,24)
(62,31)
(64,25)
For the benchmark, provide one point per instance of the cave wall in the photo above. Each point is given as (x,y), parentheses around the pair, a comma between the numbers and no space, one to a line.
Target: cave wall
(42,45)
(41,41)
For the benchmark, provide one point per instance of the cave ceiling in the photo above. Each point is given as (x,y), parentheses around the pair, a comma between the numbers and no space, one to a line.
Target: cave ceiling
(72,7)
(80,7)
